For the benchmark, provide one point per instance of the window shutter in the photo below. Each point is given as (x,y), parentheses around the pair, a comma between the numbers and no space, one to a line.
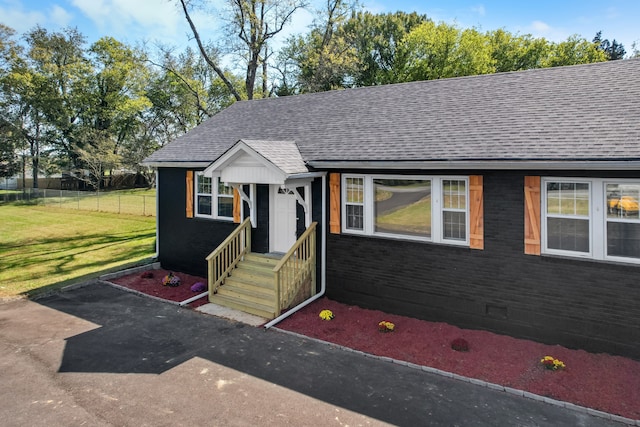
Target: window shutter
(189,194)
(236,206)
(476,210)
(334,203)
(532,215)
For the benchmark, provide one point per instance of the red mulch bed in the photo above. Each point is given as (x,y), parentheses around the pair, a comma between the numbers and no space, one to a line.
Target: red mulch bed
(153,286)
(599,381)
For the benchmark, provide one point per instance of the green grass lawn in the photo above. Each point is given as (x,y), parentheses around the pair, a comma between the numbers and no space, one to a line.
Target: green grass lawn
(44,247)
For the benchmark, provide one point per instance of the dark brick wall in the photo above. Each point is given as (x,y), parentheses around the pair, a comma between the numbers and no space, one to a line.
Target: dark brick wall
(577,303)
(185,242)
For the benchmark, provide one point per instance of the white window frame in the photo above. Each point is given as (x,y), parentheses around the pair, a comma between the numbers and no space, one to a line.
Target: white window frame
(437,229)
(198,177)
(590,217)
(597,218)
(215,179)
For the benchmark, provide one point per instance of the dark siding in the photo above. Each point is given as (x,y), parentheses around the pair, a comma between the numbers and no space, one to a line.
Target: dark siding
(577,303)
(184,242)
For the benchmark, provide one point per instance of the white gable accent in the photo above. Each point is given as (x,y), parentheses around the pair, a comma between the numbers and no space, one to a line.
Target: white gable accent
(258,162)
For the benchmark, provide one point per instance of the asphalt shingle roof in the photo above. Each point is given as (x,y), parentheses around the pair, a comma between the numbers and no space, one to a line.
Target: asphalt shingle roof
(283,154)
(585,112)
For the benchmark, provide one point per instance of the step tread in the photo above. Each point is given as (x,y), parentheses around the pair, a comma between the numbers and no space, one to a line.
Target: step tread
(263,310)
(255,292)
(250,281)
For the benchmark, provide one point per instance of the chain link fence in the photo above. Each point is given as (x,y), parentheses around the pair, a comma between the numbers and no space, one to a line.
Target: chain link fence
(116,202)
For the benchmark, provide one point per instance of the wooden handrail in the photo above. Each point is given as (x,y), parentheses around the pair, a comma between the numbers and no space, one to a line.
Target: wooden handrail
(296,266)
(226,256)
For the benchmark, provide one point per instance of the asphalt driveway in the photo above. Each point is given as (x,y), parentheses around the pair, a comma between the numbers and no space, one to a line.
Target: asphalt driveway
(99,356)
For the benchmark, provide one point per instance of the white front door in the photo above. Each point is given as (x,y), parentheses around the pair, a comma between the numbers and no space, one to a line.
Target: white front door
(283,229)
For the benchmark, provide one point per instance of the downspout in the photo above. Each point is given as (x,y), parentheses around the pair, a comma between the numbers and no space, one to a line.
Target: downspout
(157,255)
(323,260)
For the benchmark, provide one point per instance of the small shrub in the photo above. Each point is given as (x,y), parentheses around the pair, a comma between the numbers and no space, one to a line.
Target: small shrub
(171,280)
(551,363)
(326,315)
(385,326)
(460,344)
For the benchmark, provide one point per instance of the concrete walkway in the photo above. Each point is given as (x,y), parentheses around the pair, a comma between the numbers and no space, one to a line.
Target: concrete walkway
(99,356)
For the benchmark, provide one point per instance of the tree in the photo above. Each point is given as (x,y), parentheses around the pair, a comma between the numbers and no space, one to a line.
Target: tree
(436,51)
(58,59)
(575,50)
(253,23)
(98,156)
(10,133)
(117,100)
(377,39)
(514,52)
(325,58)
(613,50)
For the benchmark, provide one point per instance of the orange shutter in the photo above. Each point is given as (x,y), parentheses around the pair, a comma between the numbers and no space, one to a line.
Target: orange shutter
(334,203)
(236,206)
(189,194)
(532,215)
(476,210)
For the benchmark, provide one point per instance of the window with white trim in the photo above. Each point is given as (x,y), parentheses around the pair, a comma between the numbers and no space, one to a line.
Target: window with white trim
(623,219)
(214,199)
(595,218)
(411,207)
(204,199)
(354,203)
(225,200)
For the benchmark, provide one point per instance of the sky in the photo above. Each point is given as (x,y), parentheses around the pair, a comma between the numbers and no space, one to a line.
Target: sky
(161,21)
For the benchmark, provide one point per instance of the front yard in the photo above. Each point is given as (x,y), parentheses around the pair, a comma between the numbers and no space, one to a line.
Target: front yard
(45,247)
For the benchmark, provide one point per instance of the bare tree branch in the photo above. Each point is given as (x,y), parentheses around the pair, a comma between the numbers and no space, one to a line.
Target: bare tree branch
(206,57)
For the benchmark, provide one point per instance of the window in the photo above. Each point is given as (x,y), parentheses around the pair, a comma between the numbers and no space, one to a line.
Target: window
(225,200)
(203,194)
(402,206)
(454,209)
(568,216)
(596,218)
(354,204)
(214,199)
(623,220)
(412,207)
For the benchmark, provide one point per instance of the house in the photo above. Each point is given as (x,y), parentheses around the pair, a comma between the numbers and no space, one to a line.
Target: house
(504,202)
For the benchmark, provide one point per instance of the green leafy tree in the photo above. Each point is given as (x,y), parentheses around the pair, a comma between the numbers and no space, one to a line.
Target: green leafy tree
(436,51)
(323,59)
(517,52)
(575,50)
(376,39)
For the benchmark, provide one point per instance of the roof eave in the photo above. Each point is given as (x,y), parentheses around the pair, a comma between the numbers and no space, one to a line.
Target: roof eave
(621,164)
(176,164)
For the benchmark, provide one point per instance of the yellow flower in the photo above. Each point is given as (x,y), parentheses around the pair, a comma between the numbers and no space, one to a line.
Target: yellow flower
(385,326)
(326,315)
(552,363)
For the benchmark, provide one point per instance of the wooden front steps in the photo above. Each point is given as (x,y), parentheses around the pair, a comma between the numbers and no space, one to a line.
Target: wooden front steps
(250,287)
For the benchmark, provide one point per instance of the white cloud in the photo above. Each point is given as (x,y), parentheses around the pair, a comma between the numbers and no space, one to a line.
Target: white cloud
(540,27)
(133,19)
(479,9)
(20,20)
(60,17)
